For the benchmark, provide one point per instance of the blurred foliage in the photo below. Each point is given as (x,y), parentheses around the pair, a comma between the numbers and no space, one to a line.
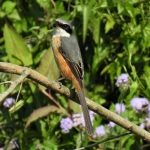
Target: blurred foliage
(114,37)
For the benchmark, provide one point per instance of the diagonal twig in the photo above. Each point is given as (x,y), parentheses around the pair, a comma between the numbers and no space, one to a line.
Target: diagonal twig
(54,101)
(13,85)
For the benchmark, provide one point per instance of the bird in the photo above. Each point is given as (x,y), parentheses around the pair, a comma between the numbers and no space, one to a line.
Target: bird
(68,58)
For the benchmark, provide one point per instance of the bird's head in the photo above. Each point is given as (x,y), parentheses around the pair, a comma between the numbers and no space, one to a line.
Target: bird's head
(63,28)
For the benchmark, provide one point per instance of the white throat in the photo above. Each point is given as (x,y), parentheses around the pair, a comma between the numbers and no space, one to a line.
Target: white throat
(61,32)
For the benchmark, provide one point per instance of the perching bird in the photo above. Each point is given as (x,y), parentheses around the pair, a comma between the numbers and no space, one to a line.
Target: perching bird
(68,57)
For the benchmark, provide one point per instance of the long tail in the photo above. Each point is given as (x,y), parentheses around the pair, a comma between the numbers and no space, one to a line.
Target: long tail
(87,119)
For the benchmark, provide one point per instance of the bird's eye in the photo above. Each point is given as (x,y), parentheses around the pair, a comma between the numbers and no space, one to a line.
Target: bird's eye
(65,26)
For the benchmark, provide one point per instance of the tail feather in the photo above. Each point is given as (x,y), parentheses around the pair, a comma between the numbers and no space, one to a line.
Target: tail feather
(88,123)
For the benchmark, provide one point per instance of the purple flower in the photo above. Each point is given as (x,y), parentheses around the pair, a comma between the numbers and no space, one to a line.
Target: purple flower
(66,124)
(142,125)
(111,124)
(99,132)
(147,124)
(9,102)
(78,119)
(123,80)
(148,111)
(140,104)
(92,114)
(119,108)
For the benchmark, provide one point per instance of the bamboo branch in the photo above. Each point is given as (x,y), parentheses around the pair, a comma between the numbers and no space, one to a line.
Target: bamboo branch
(37,77)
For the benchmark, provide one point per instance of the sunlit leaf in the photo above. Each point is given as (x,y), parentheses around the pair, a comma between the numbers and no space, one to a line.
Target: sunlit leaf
(120,6)
(48,66)
(15,15)
(42,112)
(109,24)
(16,48)
(99,55)
(146,32)
(8,6)
(44,3)
(147,76)
(85,20)
(16,106)
(96,29)
(133,90)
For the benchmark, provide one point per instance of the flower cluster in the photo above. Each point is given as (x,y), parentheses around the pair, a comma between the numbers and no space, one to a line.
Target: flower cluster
(146,124)
(111,124)
(76,120)
(99,131)
(123,81)
(119,108)
(66,124)
(8,102)
(140,104)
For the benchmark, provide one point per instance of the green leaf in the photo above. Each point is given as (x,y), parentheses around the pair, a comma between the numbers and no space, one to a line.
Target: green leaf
(96,29)
(48,66)
(42,112)
(45,4)
(8,6)
(133,90)
(146,76)
(50,144)
(16,48)
(129,143)
(146,33)
(85,20)
(109,24)
(120,6)
(16,106)
(100,54)
(14,15)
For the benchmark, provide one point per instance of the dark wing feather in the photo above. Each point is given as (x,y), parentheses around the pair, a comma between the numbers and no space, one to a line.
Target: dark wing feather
(70,50)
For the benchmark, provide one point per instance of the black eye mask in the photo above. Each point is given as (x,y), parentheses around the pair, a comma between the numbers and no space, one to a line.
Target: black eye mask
(63,26)
(67,28)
